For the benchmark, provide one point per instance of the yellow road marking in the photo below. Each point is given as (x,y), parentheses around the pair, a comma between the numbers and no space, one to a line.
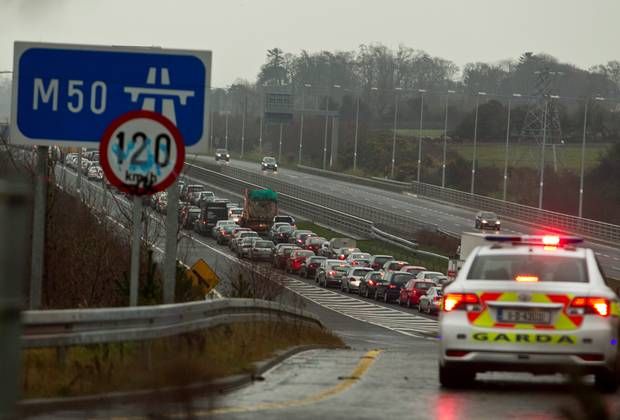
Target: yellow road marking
(362,367)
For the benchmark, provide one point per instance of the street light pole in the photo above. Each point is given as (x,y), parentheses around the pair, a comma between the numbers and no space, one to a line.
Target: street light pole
(422,91)
(245,110)
(505,188)
(226,132)
(583,156)
(301,124)
(542,158)
(325,136)
(394,131)
(357,120)
(445,142)
(280,144)
(473,160)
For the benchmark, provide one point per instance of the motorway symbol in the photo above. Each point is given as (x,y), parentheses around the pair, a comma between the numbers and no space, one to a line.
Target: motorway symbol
(69,94)
(142,152)
(203,276)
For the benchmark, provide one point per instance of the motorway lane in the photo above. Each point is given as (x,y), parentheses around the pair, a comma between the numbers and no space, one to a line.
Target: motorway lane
(402,381)
(451,218)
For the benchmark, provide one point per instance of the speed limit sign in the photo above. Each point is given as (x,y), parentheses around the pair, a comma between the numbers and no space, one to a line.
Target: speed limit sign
(142,152)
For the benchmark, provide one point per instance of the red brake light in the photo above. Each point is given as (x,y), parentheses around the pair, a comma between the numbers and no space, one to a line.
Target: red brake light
(392,286)
(371,283)
(454,301)
(332,273)
(592,305)
(341,257)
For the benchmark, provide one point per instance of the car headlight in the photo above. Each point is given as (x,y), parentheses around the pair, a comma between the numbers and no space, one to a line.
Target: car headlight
(484,221)
(498,222)
(228,156)
(275,165)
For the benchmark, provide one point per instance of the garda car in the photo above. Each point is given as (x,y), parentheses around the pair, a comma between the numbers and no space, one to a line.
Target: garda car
(536,304)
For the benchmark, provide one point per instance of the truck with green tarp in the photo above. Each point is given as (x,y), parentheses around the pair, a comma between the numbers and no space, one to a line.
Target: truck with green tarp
(259,209)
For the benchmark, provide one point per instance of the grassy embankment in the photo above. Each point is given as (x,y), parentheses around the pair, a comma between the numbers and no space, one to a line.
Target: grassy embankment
(376,247)
(175,361)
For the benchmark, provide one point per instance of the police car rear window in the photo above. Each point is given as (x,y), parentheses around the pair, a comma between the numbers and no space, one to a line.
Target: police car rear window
(537,268)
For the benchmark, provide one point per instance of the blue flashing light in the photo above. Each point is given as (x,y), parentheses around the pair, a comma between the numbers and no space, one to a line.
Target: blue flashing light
(614,341)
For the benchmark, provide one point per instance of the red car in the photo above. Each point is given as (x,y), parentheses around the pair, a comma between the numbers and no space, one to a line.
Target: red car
(313,243)
(282,254)
(413,290)
(296,260)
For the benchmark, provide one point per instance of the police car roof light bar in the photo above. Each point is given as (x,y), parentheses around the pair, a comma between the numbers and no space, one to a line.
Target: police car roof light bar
(542,240)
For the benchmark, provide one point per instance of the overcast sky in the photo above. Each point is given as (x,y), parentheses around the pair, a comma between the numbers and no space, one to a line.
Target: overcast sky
(584,32)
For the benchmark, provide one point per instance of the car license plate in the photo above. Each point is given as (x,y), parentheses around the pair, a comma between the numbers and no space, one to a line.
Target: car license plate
(521,316)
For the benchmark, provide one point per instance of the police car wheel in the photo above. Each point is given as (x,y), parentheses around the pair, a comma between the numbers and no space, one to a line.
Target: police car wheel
(606,381)
(451,377)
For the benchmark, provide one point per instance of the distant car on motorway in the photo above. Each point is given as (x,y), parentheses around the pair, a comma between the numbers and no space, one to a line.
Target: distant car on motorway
(351,281)
(283,234)
(296,259)
(203,197)
(223,235)
(95,173)
(378,261)
(413,269)
(281,254)
(411,293)
(429,275)
(309,266)
(245,244)
(221,223)
(261,250)
(430,302)
(394,265)
(234,243)
(192,214)
(368,284)
(286,219)
(330,273)
(313,243)
(222,154)
(269,164)
(235,213)
(298,237)
(361,259)
(394,282)
(487,220)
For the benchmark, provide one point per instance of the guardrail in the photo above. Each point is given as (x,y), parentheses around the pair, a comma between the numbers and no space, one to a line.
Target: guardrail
(403,243)
(548,219)
(398,224)
(72,327)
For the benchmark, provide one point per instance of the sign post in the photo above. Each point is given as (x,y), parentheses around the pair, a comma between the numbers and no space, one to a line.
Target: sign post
(68,95)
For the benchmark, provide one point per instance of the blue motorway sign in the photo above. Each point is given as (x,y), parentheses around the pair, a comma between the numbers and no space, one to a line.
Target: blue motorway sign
(69,94)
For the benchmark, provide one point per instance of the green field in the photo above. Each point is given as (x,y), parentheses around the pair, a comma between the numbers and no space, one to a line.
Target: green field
(567,156)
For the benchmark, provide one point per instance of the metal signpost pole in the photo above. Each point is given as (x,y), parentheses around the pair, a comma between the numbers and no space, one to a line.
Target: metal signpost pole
(506,151)
(245,110)
(14,215)
(445,141)
(38,229)
(170,258)
(301,122)
(475,151)
(394,133)
(135,250)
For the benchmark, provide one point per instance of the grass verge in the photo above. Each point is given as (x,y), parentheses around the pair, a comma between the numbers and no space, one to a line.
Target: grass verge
(376,247)
(174,361)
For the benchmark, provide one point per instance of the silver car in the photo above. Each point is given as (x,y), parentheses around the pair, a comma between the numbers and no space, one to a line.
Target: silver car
(261,250)
(351,281)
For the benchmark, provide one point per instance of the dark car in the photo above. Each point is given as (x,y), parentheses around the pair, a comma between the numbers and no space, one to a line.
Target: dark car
(313,243)
(271,234)
(390,289)
(286,219)
(222,154)
(331,272)
(210,214)
(282,234)
(296,259)
(378,261)
(309,266)
(298,237)
(224,234)
(412,292)
(368,284)
(487,220)
(190,217)
(281,255)
(269,164)
(261,250)
(431,301)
